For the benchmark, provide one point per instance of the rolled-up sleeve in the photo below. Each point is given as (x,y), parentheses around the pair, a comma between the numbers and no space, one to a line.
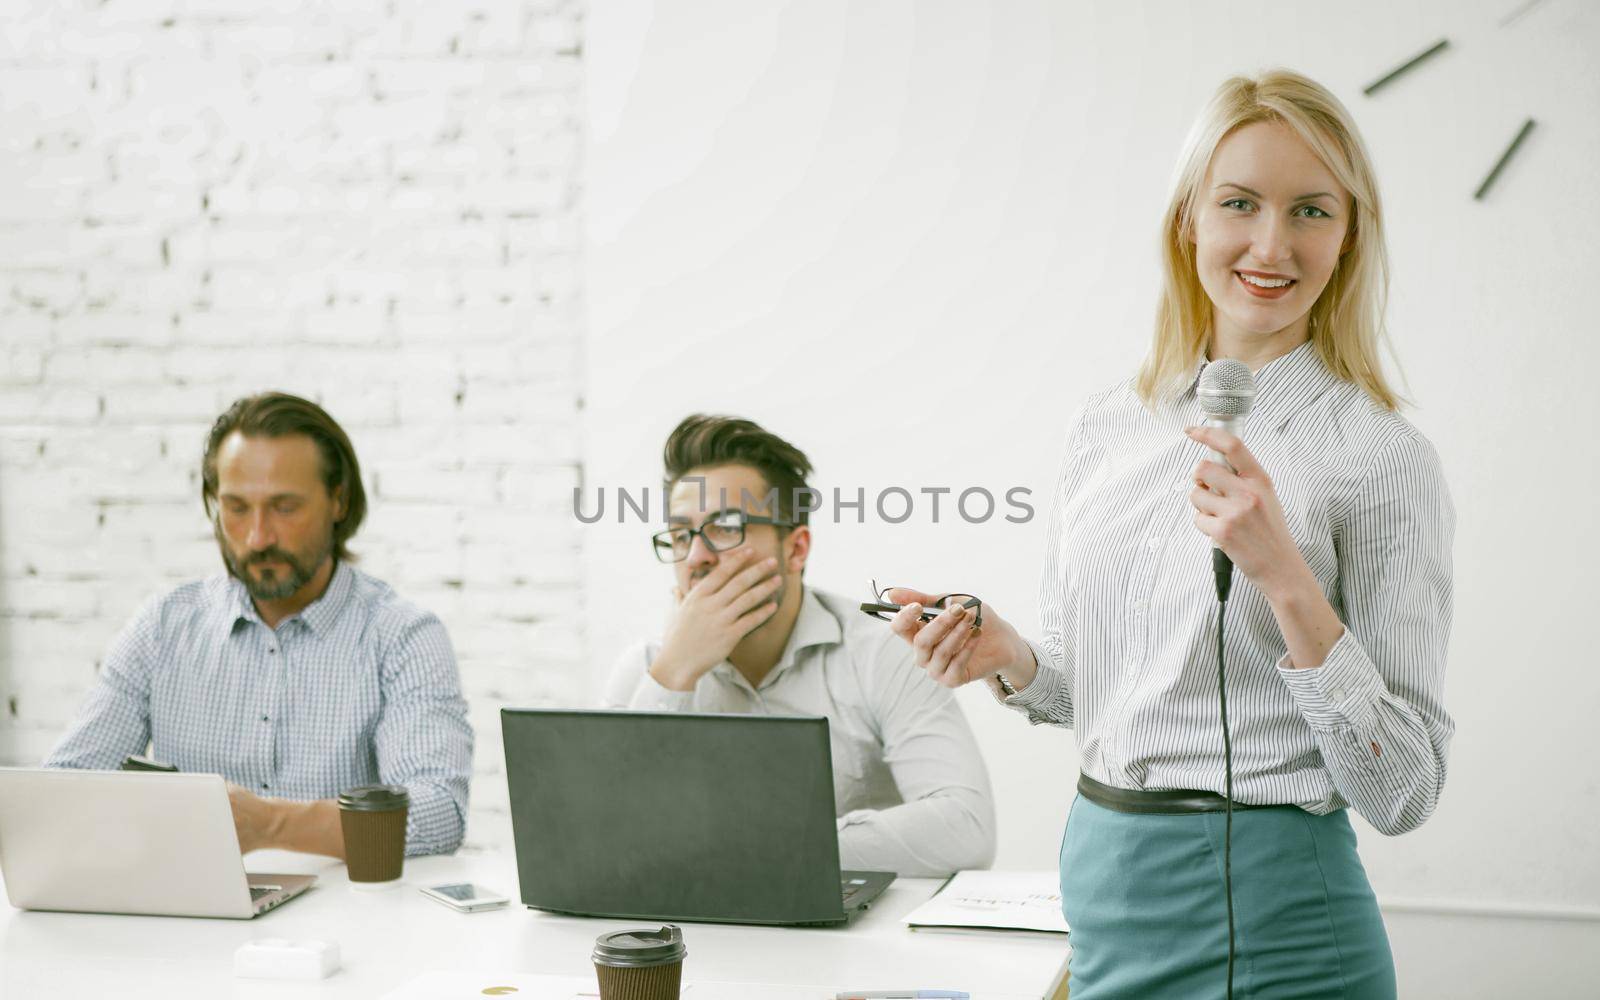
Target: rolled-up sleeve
(947,821)
(1047,700)
(630,685)
(115,719)
(1375,704)
(423,739)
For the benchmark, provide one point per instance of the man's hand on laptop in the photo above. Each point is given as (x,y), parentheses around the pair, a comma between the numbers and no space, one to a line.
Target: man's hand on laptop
(254,819)
(727,604)
(308,827)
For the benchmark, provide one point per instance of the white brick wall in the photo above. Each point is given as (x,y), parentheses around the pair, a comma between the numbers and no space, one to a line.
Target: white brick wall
(369,203)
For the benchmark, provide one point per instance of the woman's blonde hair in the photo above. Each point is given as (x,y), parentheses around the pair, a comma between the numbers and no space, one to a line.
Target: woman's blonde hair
(1346,322)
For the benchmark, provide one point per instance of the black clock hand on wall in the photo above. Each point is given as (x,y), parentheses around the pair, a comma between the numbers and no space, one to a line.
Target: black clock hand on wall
(1488,181)
(1435,49)
(1406,67)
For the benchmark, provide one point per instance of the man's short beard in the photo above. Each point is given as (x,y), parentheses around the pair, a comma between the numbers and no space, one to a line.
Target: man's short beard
(778,597)
(275,588)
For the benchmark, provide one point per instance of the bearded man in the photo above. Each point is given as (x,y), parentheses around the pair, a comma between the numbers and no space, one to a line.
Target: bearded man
(292,674)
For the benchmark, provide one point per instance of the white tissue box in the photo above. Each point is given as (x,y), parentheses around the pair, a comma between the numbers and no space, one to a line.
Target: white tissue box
(280,958)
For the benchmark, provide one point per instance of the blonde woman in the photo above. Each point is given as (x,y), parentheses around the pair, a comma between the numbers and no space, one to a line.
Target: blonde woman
(1339,524)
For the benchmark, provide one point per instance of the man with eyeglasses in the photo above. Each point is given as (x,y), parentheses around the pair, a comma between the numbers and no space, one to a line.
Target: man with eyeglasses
(746,635)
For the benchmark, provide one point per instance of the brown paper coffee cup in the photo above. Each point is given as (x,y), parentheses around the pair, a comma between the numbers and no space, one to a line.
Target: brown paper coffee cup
(640,964)
(373,818)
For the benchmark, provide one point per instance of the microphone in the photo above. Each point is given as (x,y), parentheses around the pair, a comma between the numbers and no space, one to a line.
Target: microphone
(1227,388)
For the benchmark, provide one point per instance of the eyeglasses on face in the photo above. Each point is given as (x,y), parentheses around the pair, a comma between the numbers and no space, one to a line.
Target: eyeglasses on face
(721,531)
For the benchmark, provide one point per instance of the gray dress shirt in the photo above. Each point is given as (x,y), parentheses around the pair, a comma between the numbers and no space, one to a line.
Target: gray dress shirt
(910,788)
(357,688)
(1128,604)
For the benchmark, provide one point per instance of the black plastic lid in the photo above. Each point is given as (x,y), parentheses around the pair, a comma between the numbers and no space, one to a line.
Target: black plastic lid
(374,798)
(639,948)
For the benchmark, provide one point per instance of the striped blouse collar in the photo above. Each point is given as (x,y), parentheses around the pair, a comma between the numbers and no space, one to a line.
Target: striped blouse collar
(1285,385)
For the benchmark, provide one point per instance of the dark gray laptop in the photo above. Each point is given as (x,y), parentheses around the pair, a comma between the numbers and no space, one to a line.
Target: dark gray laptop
(672,816)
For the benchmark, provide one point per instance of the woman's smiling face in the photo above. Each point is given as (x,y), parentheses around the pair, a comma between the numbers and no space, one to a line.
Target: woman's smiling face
(1269,223)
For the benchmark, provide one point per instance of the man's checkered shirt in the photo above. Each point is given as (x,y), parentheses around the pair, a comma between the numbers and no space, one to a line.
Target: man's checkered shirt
(359,687)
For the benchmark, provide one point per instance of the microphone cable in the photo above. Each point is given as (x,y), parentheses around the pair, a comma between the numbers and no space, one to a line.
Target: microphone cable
(1222,567)
(1226,391)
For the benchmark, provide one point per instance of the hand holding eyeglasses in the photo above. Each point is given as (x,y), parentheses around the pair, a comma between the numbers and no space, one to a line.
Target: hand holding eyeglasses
(730,602)
(952,646)
(883,608)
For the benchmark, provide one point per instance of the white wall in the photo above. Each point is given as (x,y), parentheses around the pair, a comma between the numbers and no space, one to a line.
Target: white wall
(373,204)
(912,236)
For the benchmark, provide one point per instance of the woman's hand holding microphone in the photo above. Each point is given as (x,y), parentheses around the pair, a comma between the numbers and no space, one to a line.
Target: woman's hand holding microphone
(952,651)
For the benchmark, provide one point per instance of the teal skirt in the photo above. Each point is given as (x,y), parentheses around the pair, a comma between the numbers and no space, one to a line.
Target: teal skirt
(1143,896)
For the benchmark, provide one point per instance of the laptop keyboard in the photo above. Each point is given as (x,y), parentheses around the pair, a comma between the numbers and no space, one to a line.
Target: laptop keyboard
(849,888)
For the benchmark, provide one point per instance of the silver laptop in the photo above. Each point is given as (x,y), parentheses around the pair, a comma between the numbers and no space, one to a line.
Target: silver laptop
(128,842)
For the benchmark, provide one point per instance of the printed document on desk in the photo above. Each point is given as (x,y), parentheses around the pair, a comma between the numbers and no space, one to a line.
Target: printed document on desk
(521,985)
(1011,901)
(529,986)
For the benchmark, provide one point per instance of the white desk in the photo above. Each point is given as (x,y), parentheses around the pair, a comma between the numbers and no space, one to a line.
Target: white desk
(389,938)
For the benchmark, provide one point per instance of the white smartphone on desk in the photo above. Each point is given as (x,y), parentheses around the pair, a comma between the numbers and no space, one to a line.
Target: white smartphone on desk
(464,896)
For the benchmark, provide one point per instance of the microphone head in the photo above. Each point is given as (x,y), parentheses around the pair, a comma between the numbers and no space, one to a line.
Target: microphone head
(1227,388)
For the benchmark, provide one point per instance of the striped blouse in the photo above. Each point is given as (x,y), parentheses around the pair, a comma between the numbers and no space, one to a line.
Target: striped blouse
(1128,605)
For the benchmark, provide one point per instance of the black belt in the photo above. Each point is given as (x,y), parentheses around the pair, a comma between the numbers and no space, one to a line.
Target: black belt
(1167,800)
